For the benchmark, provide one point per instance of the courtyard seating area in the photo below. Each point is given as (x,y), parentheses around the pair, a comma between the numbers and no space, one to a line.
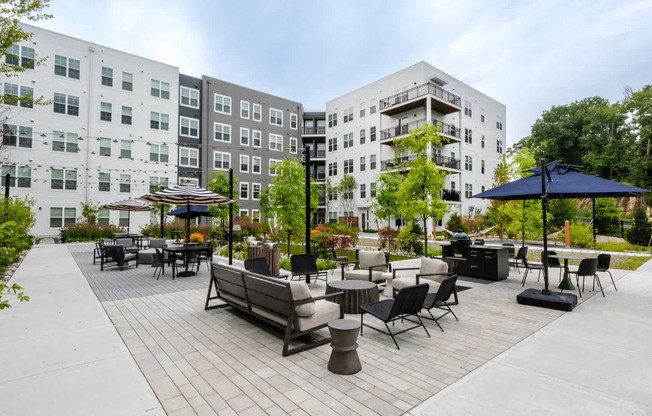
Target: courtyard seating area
(181,359)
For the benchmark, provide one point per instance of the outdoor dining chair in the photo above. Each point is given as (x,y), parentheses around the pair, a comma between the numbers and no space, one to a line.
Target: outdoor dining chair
(337,260)
(439,300)
(527,265)
(259,265)
(517,263)
(553,262)
(305,265)
(603,267)
(587,267)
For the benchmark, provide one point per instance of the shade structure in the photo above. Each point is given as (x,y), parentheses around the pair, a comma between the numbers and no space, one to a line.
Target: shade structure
(128,205)
(195,212)
(186,195)
(558,180)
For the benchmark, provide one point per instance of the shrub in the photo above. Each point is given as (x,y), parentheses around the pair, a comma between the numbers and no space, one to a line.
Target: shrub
(562,210)
(410,242)
(90,232)
(607,215)
(472,225)
(387,237)
(580,235)
(641,229)
(322,264)
(15,235)
(455,223)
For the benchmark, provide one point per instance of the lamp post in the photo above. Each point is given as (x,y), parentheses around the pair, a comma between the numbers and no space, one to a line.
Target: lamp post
(306,153)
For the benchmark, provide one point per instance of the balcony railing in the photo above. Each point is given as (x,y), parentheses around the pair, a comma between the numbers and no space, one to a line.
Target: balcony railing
(446,161)
(319,176)
(401,129)
(314,154)
(451,195)
(419,91)
(395,163)
(447,129)
(314,130)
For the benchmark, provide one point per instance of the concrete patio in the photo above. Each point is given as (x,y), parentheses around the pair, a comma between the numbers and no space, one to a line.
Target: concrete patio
(124,343)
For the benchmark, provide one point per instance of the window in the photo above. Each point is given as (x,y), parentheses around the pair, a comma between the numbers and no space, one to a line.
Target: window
(332,194)
(362,136)
(482,115)
(293,145)
(188,157)
(126,115)
(22,55)
(257,112)
(222,104)
(244,109)
(103,217)
(105,146)
(243,213)
(66,67)
(244,163)
(105,111)
(188,181)
(244,137)
(332,217)
(362,110)
(468,163)
(125,149)
(104,182)
(156,183)
(272,166)
(452,185)
(348,114)
(222,132)
(468,109)
(372,106)
(372,189)
(63,179)
(127,81)
(294,121)
(482,188)
(348,166)
(189,97)
(499,122)
(255,191)
(189,127)
(123,218)
(244,190)
(363,190)
(363,164)
(482,141)
(348,140)
(18,94)
(159,121)
(482,166)
(107,76)
(332,144)
(221,160)
(276,142)
(372,162)
(255,215)
(62,216)
(66,104)
(499,146)
(332,120)
(332,169)
(255,164)
(468,190)
(125,183)
(257,138)
(13,135)
(275,117)
(158,153)
(372,133)
(160,89)
(65,142)
(20,176)
(468,136)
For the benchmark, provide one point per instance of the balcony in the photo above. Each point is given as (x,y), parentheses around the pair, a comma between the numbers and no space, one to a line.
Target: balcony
(401,129)
(319,176)
(314,154)
(448,129)
(442,101)
(446,161)
(314,130)
(451,195)
(396,163)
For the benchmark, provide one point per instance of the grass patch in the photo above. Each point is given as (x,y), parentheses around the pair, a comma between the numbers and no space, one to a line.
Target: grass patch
(619,247)
(628,262)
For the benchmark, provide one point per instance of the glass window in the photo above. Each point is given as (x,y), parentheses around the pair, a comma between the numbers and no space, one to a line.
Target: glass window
(158,153)
(363,164)
(125,183)
(244,190)
(127,81)
(276,142)
(62,216)
(257,112)
(65,142)
(293,145)
(257,138)
(244,137)
(104,180)
(189,127)
(221,161)
(107,76)
(188,157)
(63,179)
(244,109)
(275,117)
(222,104)
(105,146)
(294,121)
(105,111)
(189,97)
(363,190)
(159,121)
(222,132)
(126,115)
(244,163)
(160,89)
(255,164)
(255,191)
(332,144)
(372,162)
(372,133)
(348,140)
(103,217)
(272,166)
(125,149)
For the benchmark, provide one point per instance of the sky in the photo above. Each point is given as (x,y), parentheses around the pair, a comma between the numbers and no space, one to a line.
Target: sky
(528,55)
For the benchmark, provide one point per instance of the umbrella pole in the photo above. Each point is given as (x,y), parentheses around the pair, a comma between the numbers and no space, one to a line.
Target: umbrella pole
(593,222)
(544,200)
(128,220)
(188,221)
(162,219)
(231,216)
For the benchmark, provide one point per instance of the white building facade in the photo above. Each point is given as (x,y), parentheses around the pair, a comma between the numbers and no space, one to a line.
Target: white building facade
(109,132)
(361,127)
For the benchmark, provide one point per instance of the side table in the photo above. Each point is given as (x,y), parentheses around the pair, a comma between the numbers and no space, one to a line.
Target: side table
(344,357)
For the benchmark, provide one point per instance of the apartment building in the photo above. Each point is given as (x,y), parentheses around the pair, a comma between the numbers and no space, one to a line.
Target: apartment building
(313,138)
(190,132)
(362,125)
(248,131)
(107,134)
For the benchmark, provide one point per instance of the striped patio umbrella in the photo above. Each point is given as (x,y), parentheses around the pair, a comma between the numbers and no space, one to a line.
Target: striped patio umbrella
(128,205)
(186,195)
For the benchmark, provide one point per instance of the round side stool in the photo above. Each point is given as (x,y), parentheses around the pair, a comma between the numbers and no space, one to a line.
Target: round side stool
(344,357)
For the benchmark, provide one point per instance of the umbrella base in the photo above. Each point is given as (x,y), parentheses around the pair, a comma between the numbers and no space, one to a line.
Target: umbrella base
(186,273)
(558,301)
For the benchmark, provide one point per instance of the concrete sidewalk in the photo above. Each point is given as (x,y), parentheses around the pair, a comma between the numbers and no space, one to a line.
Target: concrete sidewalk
(59,353)
(596,360)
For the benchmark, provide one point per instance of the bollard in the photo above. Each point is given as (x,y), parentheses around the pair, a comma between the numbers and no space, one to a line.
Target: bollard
(567,233)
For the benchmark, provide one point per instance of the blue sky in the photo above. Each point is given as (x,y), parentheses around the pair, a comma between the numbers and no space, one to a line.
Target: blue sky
(527,55)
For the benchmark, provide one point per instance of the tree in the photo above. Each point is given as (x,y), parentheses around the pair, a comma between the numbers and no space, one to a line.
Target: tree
(89,212)
(639,106)
(219,183)
(607,215)
(287,197)
(641,230)
(386,203)
(562,210)
(345,192)
(264,207)
(419,193)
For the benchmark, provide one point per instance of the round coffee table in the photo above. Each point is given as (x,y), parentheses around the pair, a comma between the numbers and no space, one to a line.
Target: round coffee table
(356,293)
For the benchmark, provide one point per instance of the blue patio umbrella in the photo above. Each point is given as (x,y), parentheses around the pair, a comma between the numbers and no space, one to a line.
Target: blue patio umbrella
(195,212)
(558,180)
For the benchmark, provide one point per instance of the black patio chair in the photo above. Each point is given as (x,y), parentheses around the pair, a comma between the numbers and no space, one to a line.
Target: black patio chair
(603,266)
(259,265)
(553,263)
(587,267)
(408,302)
(116,254)
(159,262)
(337,259)
(439,300)
(205,256)
(306,265)
(517,262)
(528,266)
(98,252)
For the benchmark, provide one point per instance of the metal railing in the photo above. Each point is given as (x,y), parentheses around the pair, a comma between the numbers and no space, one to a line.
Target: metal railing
(401,129)
(314,130)
(446,161)
(447,129)
(419,91)
(451,195)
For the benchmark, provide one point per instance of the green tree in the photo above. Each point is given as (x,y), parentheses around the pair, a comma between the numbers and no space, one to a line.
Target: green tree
(346,194)
(455,223)
(265,208)
(89,212)
(287,197)
(420,191)
(219,183)
(562,210)
(639,106)
(641,230)
(607,215)
(386,203)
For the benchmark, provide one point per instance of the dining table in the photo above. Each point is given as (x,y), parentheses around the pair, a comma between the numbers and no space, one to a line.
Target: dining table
(184,250)
(566,283)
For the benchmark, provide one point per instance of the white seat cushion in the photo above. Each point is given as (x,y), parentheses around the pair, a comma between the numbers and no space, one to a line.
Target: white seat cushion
(430,266)
(325,311)
(376,276)
(399,284)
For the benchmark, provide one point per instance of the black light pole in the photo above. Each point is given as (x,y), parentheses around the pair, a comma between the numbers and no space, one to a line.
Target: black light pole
(307,154)
(231,216)
(544,202)
(162,220)
(593,204)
